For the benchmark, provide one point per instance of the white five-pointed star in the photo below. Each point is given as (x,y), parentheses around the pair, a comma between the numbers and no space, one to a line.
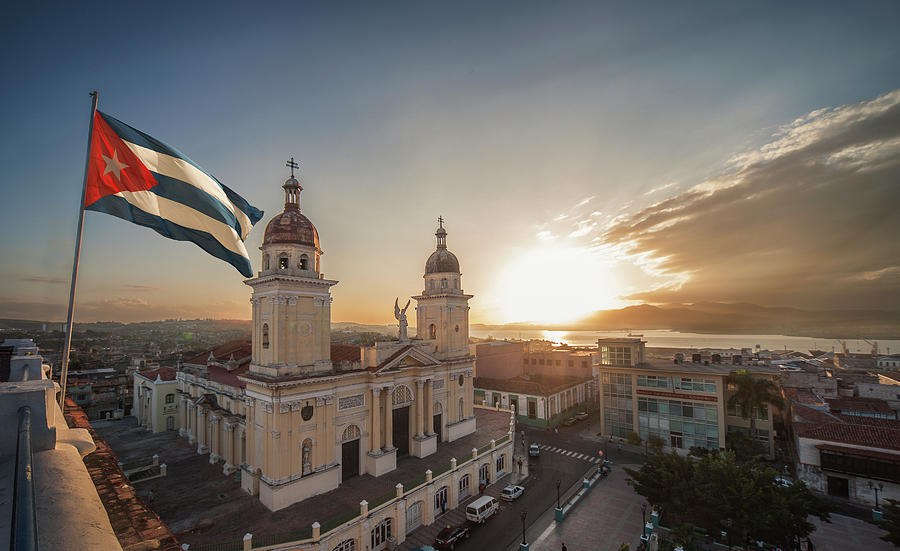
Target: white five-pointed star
(114,165)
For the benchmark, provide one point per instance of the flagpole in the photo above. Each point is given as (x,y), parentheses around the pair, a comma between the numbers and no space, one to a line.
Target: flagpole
(64,372)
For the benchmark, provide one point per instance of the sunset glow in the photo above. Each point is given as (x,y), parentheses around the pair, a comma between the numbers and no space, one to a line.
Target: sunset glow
(553,284)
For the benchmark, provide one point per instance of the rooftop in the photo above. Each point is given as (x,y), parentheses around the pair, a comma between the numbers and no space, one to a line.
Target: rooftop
(698,368)
(535,385)
(202,506)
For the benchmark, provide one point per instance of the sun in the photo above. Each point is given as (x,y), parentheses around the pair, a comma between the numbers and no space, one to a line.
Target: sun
(556,284)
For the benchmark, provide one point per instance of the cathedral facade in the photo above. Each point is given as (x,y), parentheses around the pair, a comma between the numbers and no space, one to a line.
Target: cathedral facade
(310,414)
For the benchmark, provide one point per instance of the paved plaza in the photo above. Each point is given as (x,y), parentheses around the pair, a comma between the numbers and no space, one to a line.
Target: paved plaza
(611,515)
(201,505)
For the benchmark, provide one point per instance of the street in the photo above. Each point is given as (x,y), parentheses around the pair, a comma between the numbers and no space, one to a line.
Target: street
(577,446)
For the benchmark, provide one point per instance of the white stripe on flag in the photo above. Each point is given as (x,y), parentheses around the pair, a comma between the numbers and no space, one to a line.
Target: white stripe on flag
(187,217)
(173,167)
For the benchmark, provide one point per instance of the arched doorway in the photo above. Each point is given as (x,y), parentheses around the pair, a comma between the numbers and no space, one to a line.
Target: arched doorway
(350,452)
(401,400)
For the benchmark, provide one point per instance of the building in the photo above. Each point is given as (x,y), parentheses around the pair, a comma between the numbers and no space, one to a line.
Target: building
(540,400)
(155,403)
(891,361)
(499,359)
(47,492)
(298,415)
(679,404)
(558,361)
(842,453)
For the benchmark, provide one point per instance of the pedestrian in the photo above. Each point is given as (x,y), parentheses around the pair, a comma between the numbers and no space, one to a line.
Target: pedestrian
(564,548)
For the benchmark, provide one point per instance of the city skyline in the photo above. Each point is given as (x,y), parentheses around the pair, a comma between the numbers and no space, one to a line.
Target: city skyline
(585,157)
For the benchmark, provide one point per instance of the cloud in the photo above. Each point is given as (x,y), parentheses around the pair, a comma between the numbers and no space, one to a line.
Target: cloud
(661,188)
(43,279)
(809,219)
(140,287)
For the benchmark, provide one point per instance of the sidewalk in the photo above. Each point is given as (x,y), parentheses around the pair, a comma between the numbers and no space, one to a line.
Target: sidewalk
(609,515)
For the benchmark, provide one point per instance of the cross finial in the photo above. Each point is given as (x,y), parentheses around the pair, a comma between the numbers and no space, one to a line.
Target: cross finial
(292,164)
(441,221)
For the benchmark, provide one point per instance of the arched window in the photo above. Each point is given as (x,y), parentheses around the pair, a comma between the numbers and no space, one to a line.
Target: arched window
(382,532)
(350,433)
(464,486)
(304,262)
(455,283)
(170,398)
(265,262)
(346,545)
(265,335)
(401,395)
(430,284)
(432,331)
(283,261)
(444,283)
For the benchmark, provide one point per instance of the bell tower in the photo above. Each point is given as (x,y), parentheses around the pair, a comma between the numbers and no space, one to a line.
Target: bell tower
(291,297)
(442,310)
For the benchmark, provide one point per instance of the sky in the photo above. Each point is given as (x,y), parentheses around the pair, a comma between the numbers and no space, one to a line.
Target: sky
(584,155)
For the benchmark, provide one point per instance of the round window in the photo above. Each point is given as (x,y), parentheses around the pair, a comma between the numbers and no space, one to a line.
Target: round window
(462,380)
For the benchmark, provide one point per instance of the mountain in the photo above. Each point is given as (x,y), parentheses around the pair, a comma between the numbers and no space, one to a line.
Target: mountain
(716,317)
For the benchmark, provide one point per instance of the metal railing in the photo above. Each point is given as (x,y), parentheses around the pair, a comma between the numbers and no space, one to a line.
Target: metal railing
(24,518)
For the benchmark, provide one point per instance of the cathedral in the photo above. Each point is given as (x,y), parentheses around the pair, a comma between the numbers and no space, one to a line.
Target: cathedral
(298,415)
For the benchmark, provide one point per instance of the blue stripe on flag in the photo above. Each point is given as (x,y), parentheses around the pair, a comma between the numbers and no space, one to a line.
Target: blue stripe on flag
(135,136)
(195,198)
(117,206)
(253,213)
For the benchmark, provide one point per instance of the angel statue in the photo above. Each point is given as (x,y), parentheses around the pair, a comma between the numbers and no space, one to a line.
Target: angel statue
(401,317)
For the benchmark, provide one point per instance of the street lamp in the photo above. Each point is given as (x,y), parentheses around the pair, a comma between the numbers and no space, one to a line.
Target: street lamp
(643,519)
(523,514)
(559,482)
(877,489)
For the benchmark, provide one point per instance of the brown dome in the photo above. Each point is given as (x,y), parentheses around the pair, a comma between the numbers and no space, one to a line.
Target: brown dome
(441,260)
(291,226)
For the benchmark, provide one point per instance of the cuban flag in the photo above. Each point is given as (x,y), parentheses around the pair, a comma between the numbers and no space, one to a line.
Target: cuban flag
(143,180)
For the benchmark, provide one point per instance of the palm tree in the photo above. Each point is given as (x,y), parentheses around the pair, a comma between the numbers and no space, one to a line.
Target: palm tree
(753,393)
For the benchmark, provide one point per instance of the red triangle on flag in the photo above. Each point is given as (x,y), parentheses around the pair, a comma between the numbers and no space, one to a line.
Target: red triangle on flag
(113,166)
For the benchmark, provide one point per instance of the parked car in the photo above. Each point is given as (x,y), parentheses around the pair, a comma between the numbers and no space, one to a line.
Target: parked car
(570,421)
(482,509)
(581,415)
(534,450)
(784,482)
(511,493)
(450,536)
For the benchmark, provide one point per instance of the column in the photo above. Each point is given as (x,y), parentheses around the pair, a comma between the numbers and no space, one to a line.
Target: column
(214,438)
(388,420)
(420,397)
(201,430)
(470,396)
(375,416)
(429,407)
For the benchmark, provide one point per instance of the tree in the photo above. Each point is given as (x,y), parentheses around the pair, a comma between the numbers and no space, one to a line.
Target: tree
(715,492)
(753,393)
(891,521)
(744,447)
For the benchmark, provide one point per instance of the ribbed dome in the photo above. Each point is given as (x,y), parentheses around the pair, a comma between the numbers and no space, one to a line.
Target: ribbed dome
(442,260)
(291,226)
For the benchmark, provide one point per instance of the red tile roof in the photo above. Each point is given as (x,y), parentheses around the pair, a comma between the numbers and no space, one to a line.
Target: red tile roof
(852,429)
(164,373)
(345,353)
(240,348)
(136,525)
(858,404)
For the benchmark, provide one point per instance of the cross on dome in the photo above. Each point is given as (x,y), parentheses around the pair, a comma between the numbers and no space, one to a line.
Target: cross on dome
(292,164)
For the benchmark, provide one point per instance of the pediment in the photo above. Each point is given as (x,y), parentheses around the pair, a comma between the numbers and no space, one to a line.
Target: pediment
(406,358)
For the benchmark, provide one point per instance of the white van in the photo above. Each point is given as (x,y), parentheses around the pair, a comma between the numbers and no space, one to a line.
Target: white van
(481,509)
